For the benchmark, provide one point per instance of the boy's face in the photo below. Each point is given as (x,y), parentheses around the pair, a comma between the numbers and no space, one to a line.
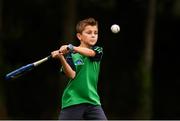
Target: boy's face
(89,36)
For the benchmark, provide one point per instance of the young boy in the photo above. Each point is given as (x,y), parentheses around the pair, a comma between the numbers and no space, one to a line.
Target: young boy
(81,64)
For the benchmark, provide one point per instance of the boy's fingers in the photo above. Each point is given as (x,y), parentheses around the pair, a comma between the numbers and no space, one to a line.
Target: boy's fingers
(64,47)
(56,53)
(63,50)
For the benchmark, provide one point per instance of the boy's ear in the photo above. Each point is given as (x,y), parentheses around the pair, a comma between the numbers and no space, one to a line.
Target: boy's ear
(78,36)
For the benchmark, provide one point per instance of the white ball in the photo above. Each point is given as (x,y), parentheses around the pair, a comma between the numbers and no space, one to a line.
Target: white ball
(115,28)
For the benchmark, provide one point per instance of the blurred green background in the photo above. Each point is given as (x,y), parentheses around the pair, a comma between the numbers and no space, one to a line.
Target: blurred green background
(139,77)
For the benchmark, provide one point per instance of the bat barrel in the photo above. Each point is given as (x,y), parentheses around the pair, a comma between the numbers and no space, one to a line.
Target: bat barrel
(19,72)
(26,68)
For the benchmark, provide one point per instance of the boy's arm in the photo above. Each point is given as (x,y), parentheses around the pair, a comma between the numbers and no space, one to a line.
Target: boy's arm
(84,51)
(69,72)
(95,53)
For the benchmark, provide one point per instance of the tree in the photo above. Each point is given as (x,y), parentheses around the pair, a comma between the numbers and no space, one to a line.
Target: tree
(69,8)
(146,62)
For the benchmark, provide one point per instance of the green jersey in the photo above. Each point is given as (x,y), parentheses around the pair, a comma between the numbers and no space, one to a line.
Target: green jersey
(83,88)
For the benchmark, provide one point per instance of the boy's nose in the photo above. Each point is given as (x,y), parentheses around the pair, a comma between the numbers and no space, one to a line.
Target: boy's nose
(93,35)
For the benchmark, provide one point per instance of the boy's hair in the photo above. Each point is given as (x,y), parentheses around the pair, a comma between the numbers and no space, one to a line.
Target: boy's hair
(83,23)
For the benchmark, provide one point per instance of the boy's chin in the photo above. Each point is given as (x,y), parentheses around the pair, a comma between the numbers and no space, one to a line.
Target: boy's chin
(92,44)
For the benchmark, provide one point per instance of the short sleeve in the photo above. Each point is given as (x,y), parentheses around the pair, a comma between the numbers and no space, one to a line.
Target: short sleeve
(99,53)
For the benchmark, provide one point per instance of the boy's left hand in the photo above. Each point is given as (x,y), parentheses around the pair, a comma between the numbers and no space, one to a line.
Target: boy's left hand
(63,49)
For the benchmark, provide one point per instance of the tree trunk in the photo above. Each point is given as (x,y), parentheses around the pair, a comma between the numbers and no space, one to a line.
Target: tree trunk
(145,99)
(70,14)
(69,17)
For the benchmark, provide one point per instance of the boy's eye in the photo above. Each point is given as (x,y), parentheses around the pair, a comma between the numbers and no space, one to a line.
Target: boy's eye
(90,32)
(95,32)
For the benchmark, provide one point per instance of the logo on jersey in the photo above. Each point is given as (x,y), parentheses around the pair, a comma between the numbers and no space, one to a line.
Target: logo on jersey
(79,62)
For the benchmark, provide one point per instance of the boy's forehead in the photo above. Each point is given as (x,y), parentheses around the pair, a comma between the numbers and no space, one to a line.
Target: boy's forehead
(90,27)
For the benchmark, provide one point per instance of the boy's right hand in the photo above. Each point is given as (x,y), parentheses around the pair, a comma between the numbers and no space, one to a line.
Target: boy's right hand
(59,53)
(56,54)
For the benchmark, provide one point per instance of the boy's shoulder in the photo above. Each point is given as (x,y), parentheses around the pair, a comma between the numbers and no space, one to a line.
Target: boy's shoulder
(97,49)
